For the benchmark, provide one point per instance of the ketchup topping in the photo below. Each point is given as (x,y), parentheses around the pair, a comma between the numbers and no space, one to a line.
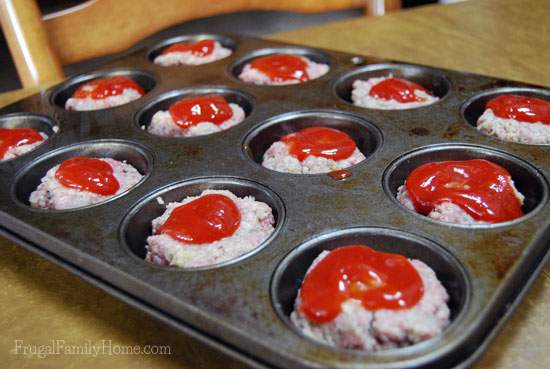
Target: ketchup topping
(13,137)
(199,48)
(324,142)
(194,110)
(204,220)
(479,187)
(522,108)
(88,174)
(282,67)
(104,87)
(397,89)
(379,280)
(340,175)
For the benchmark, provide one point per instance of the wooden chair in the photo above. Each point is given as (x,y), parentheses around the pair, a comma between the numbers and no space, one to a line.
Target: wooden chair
(41,45)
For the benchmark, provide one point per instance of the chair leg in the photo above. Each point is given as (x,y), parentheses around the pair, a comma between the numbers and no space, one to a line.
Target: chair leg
(35,60)
(392,5)
(375,7)
(381,7)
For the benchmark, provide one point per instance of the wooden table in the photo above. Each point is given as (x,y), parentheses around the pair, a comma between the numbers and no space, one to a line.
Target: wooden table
(504,38)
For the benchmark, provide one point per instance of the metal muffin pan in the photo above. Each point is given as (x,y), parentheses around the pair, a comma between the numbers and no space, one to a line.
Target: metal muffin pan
(242,307)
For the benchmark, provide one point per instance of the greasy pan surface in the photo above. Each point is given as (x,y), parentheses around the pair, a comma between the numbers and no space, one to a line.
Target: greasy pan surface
(245,304)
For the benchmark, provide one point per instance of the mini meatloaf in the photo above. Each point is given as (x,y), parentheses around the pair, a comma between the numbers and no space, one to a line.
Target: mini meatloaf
(196,116)
(282,69)
(514,118)
(389,93)
(192,53)
(188,234)
(104,93)
(83,181)
(465,192)
(363,318)
(15,142)
(312,150)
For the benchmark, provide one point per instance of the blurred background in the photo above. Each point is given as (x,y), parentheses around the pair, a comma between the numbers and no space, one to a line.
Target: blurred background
(253,23)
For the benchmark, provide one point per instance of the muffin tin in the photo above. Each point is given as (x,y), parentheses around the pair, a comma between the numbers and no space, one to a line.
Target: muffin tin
(242,307)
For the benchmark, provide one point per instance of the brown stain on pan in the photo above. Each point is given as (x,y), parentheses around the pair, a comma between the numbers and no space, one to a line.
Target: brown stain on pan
(398,219)
(235,302)
(503,265)
(495,84)
(452,131)
(192,152)
(342,205)
(495,253)
(419,131)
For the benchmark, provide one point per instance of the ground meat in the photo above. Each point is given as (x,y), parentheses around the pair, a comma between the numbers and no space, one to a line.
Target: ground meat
(361,329)
(447,211)
(257,223)
(278,158)
(188,58)
(360,96)
(51,194)
(129,94)
(162,124)
(514,130)
(252,75)
(16,151)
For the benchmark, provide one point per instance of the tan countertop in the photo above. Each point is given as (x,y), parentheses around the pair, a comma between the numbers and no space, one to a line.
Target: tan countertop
(40,302)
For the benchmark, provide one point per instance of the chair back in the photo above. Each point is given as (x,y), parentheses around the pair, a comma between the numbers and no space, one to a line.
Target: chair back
(40,46)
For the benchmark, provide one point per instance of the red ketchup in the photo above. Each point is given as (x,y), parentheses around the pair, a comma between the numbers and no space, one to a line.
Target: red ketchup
(522,108)
(379,280)
(199,48)
(13,137)
(204,220)
(397,89)
(194,110)
(282,67)
(102,88)
(88,174)
(479,187)
(340,175)
(324,142)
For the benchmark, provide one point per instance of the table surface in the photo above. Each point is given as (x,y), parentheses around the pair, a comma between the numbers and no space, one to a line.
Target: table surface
(40,302)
